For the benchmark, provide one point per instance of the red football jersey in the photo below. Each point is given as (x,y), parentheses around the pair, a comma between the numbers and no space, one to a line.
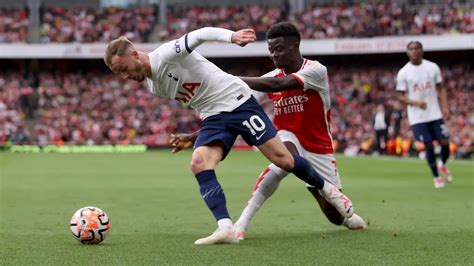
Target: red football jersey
(306,112)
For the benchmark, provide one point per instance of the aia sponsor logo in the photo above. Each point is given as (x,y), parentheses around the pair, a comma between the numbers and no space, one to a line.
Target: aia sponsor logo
(422,86)
(187,91)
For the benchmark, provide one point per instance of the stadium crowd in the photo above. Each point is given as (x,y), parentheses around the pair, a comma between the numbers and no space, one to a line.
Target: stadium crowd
(381,19)
(315,22)
(96,25)
(13,25)
(185,19)
(89,108)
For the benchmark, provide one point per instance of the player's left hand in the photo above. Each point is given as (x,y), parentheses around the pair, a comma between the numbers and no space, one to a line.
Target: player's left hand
(243,37)
(181,141)
(445,112)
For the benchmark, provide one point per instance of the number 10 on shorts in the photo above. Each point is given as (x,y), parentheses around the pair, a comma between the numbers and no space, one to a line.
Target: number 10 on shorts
(254,124)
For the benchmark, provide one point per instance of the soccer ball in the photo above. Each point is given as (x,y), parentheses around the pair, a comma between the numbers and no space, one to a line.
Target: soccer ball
(90,225)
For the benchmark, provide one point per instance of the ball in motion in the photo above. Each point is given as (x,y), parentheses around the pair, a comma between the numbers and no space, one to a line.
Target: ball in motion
(90,225)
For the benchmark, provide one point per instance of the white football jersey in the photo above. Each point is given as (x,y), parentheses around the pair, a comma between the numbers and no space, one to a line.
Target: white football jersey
(420,84)
(182,74)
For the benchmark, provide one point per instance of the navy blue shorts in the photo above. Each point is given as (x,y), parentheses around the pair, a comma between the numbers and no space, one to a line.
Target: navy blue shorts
(248,120)
(429,131)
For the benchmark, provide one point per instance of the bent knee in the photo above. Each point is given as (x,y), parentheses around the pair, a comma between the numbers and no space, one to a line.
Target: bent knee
(197,162)
(286,162)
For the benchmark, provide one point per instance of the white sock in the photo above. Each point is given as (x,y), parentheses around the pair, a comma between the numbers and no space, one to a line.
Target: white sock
(326,189)
(266,185)
(225,224)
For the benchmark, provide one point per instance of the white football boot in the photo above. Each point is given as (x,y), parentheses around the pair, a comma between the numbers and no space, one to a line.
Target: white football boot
(448,178)
(438,182)
(355,223)
(240,232)
(340,201)
(220,236)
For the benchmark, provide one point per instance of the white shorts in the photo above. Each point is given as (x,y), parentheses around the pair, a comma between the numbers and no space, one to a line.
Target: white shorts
(324,164)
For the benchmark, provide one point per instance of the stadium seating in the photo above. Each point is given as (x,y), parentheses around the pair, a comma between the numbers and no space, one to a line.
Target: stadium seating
(13,25)
(96,108)
(89,25)
(384,18)
(74,24)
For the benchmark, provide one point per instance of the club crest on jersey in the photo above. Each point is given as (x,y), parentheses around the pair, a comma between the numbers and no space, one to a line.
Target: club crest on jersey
(171,76)
(177,47)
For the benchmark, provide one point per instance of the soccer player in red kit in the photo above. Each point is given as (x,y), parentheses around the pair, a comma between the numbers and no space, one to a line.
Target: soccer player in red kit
(299,90)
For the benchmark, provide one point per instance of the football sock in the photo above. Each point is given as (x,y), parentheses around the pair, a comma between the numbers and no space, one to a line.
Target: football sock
(305,172)
(431,158)
(444,153)
(266,185)
(212,193)
(225,223)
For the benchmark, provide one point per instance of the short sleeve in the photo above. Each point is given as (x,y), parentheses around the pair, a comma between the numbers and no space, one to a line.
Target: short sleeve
(438,77)
(313,76)
(175,50)
(401,82)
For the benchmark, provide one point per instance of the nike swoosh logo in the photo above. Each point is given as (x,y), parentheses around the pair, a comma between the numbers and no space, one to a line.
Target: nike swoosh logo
(206,194)
(348,210)
(210,192)
(260,136)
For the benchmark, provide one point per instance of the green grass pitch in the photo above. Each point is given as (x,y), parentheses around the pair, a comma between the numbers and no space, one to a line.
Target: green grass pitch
(156,212)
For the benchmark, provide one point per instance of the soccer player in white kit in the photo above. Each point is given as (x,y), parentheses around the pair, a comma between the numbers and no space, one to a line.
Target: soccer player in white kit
(302,116)
(419,86)
(227,108)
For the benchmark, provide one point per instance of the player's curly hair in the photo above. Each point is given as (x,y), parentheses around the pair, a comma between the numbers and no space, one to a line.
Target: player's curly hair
(283,29)
(415,42)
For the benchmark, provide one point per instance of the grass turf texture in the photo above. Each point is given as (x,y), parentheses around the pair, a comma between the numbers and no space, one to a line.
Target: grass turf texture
(156,212)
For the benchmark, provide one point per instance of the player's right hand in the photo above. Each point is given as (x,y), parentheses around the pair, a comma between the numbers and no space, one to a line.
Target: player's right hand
(181,141)
(422,105)
(243,37)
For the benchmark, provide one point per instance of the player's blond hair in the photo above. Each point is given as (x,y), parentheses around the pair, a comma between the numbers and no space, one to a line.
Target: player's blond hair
(117,47)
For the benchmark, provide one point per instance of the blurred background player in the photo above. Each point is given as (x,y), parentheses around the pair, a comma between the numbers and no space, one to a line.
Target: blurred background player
(381,123)
(301,110)
(226,107)
(419,85)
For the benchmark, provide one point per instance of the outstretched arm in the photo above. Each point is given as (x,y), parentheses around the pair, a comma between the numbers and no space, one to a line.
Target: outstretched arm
(443,100)
(197,37)
(181,141)
(270,84)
